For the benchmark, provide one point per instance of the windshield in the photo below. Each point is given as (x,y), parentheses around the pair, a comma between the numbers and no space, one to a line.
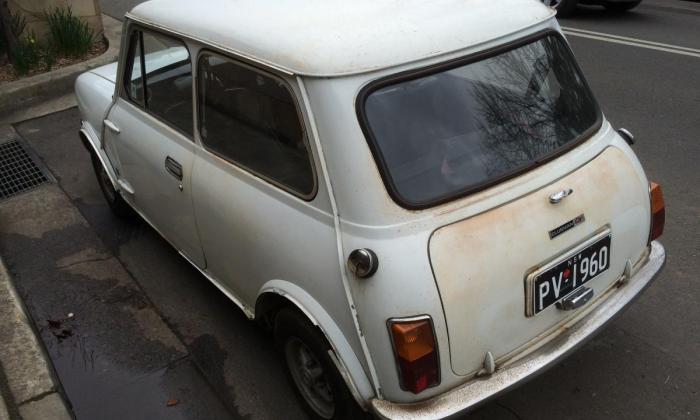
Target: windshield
(454,131)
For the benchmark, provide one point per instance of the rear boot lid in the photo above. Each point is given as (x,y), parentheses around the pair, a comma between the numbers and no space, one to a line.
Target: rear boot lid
(487,266)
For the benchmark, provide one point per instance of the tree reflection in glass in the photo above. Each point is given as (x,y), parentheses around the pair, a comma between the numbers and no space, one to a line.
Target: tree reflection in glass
(458,129)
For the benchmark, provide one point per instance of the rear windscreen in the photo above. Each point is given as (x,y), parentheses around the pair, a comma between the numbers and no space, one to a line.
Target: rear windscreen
(441,135)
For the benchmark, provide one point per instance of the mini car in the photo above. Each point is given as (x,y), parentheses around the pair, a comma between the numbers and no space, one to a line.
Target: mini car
(422,200)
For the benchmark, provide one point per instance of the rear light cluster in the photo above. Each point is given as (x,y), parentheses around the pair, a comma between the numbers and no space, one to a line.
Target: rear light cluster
(416,353)
(658,211)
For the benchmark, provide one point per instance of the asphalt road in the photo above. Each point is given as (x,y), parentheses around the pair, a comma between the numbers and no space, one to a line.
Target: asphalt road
(643,366)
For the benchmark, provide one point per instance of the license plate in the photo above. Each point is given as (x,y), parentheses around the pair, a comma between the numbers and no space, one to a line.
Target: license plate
(566,275)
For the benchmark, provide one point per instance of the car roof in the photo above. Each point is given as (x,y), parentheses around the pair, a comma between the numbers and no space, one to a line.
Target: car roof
(341,37)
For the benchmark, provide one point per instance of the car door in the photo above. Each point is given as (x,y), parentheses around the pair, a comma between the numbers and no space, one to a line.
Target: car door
(149,129)
(256,202)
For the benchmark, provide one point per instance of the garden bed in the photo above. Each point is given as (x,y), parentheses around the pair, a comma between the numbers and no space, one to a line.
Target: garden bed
(8,73)
(26,97)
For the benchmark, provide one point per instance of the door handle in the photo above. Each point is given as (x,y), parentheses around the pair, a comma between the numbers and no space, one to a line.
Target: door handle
(112,126)
(172,166)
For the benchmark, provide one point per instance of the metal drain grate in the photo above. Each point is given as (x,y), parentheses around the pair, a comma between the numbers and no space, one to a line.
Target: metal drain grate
(18,172)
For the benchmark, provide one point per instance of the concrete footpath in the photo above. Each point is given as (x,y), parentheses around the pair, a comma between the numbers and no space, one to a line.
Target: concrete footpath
(115,356)
(28,389)
(88,344)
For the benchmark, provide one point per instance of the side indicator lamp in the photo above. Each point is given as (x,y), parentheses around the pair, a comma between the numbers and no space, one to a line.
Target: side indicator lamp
(658,211)
(416,353)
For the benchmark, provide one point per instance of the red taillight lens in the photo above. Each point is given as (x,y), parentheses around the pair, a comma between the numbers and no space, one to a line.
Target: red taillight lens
(658,211)
(416,355)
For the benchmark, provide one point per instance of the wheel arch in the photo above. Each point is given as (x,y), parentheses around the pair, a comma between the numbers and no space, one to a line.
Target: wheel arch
(276,294)
(92,145)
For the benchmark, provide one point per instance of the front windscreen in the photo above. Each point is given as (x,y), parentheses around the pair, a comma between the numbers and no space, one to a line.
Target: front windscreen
(443,134)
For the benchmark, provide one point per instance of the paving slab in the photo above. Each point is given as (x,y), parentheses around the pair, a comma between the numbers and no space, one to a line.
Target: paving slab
(49,407)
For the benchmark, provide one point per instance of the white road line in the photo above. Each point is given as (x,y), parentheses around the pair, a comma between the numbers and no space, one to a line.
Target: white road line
(642,41)
(635,42)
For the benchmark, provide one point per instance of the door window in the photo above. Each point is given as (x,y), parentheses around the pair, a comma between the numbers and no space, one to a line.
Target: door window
(251,119)
(166,89)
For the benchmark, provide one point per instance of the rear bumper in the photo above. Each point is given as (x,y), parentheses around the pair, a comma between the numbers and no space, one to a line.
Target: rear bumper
(476,391)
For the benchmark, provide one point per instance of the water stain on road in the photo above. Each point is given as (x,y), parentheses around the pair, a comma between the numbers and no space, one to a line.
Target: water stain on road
(211,359)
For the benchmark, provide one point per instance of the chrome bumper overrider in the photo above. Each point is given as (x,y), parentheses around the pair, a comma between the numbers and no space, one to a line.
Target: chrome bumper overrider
(480,389)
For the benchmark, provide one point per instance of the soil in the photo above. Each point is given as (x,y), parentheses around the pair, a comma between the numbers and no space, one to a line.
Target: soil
(7,72)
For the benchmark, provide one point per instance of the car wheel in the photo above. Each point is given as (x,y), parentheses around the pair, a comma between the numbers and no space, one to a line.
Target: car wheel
(621,6)
(566,7)
(310,369)
(115,201)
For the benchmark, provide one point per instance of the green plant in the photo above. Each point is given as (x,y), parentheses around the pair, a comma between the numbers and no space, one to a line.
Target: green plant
(49,59)
(26,56)
(70,36)
(17,25)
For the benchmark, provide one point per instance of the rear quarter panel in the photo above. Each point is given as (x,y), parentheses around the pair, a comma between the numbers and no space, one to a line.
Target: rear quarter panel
(404,284)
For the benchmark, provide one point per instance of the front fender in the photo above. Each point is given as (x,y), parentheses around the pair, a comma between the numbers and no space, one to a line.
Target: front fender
(347,362)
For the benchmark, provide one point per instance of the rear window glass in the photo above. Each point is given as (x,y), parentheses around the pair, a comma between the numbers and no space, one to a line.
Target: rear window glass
(444,134)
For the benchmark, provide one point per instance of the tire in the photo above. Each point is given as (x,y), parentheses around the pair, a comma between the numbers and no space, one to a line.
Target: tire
(566,8)
(622,6)
(316,381)
(114,199)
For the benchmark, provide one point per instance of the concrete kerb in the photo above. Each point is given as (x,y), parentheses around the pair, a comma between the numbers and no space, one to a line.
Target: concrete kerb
(33,90)
(27,372)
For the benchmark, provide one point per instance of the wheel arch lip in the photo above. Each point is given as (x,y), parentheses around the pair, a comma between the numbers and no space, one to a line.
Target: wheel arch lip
(342,353)
(92,144)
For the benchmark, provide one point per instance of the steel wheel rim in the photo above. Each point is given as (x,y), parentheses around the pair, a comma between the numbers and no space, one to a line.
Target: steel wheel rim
(309,377)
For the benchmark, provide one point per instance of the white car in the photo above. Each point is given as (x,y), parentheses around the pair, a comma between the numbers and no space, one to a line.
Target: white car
(422,200)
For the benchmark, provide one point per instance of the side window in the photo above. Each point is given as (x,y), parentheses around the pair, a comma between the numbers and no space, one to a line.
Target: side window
(251,119)
(168,78)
